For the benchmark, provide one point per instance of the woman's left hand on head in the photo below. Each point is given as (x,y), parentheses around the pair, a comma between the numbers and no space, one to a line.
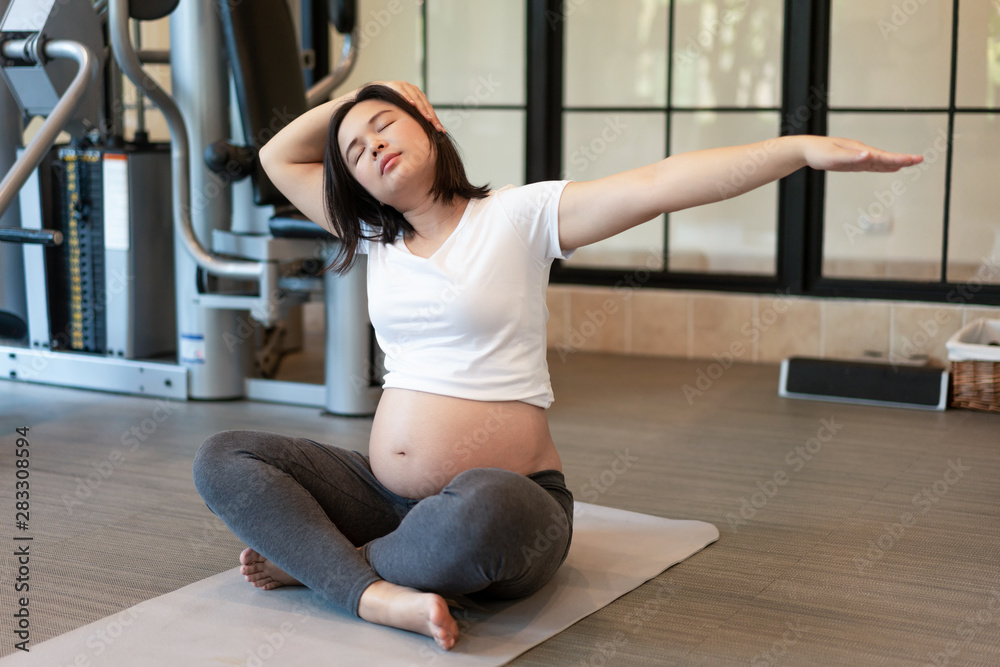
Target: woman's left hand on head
(837,154)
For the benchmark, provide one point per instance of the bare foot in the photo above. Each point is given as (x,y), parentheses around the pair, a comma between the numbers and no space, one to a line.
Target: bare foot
(397,606)
(262,573)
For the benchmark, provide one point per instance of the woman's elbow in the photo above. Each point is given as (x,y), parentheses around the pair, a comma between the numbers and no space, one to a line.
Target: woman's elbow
(265,158)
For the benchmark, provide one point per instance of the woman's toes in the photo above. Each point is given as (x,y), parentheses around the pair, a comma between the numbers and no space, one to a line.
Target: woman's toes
(248,556)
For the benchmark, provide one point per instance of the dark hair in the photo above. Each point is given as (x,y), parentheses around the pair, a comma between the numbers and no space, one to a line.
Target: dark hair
(347,203)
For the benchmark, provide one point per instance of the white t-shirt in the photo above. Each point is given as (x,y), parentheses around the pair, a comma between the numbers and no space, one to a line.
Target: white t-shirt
(469,321)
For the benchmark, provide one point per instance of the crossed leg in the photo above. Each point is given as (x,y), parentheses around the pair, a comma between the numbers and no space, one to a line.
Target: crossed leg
(382,602)
(315,514)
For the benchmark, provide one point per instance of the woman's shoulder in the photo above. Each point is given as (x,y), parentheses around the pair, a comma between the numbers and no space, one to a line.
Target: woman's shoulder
(532,187)
(530,197)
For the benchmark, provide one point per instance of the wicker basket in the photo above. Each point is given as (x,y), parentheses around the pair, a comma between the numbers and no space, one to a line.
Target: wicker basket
(974,353)
(976,385)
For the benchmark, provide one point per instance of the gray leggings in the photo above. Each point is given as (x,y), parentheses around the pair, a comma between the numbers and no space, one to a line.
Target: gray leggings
(306,506)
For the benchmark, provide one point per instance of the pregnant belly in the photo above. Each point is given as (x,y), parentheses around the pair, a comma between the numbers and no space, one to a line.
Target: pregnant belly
(420,441)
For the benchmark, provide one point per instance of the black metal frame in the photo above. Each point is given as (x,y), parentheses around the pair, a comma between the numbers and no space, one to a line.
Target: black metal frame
(544,63)
(316,38)
(799,253)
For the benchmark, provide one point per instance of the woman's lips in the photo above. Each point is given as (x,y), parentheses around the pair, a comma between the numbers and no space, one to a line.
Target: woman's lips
(388,161)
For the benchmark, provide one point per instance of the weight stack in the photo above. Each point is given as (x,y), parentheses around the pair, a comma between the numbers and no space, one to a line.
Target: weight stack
(865,383)
(109,286)
(81,260)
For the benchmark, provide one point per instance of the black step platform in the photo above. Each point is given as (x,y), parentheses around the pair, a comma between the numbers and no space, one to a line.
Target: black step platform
(867,383)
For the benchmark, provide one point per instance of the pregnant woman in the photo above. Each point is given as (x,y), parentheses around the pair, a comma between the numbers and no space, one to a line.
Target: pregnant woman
(462,475)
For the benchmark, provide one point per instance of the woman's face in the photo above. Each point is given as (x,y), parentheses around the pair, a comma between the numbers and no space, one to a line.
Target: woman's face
(388,152)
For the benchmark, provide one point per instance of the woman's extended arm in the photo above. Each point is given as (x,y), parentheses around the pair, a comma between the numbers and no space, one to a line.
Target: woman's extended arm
(595,210)
(293,158)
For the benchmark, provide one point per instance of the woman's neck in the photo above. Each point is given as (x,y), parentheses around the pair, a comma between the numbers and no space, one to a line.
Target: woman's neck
(436,220)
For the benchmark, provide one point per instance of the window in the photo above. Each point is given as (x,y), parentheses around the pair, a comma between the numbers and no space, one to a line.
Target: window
(548,89)
(928,89)
(646,79)
(469,57)
(915,77)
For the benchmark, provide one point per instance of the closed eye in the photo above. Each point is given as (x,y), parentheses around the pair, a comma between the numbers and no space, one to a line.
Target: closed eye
(362,150)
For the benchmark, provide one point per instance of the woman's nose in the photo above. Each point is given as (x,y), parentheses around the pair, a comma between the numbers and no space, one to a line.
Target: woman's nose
(376,147)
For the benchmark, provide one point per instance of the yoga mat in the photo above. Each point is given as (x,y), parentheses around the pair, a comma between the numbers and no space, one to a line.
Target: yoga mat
(223,620)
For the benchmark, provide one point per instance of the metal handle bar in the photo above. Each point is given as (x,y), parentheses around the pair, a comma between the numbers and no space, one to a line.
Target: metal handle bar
(129,62)
(46,237)
(26,49)
(321,90)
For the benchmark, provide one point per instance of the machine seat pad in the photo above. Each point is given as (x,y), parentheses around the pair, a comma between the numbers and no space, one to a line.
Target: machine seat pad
(151,10)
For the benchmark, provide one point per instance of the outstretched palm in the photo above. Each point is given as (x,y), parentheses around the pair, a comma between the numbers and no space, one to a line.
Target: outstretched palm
(837,154)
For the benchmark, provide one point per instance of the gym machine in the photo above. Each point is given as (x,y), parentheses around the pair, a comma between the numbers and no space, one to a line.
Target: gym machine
(131,272)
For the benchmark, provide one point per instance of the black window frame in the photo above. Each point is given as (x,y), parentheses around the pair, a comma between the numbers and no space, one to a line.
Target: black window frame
(804,110)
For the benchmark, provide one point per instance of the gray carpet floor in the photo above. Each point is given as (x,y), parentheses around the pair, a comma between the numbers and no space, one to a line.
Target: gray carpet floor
(850,534)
